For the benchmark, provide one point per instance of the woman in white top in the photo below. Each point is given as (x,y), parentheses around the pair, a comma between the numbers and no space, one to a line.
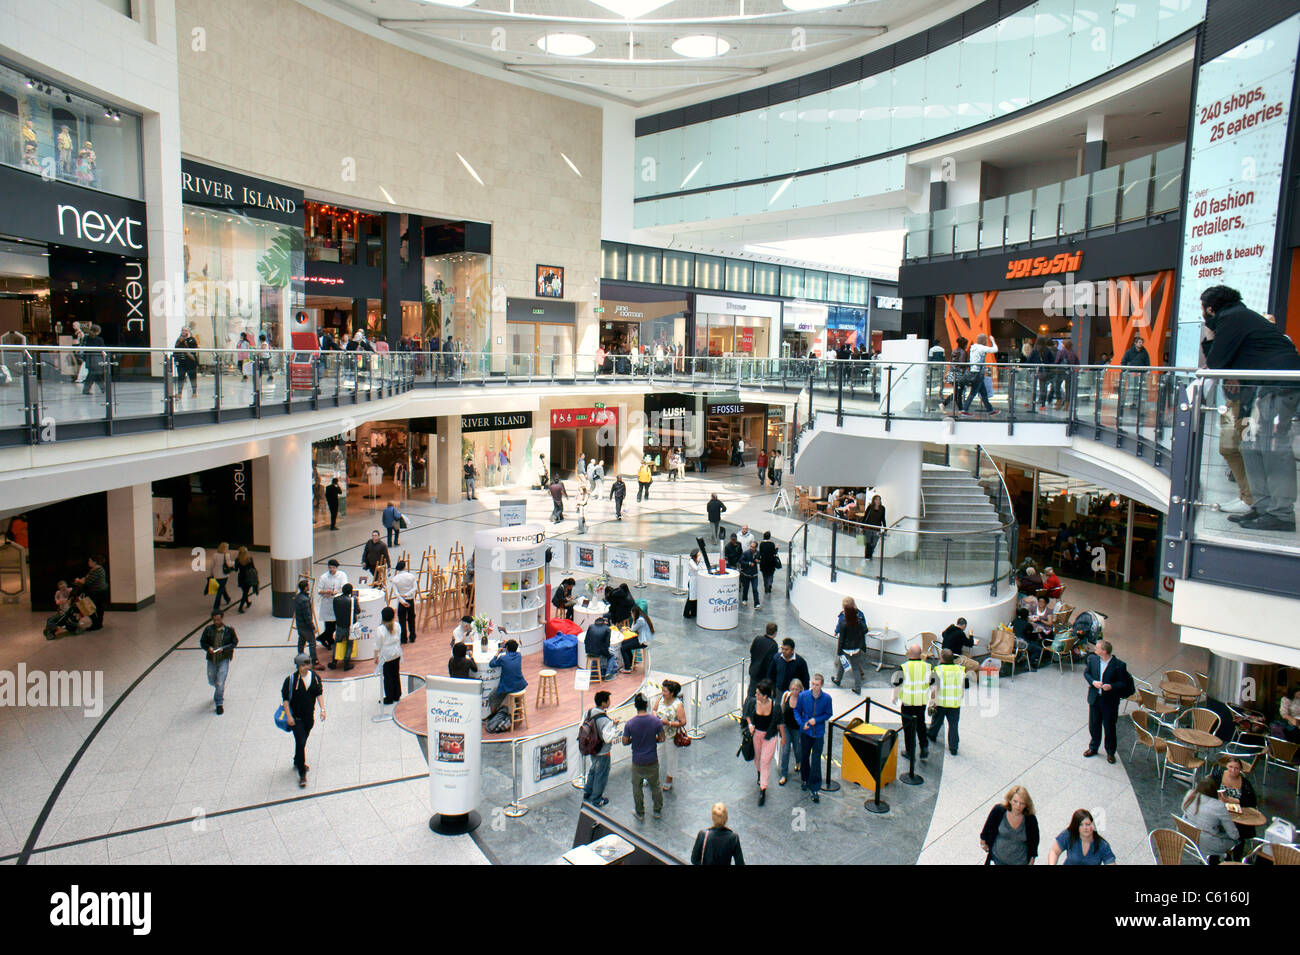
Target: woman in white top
(220,566)
(328,587)
(388,658)
(694,566)
(668,707)
(681,465)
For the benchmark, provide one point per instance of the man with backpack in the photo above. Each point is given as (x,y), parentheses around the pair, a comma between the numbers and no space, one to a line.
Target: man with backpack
(595,736)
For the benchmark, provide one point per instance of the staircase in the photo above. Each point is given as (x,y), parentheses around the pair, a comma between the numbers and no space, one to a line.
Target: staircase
(956,504)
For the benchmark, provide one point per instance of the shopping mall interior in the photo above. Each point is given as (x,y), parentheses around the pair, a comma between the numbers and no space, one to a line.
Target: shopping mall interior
(401,463)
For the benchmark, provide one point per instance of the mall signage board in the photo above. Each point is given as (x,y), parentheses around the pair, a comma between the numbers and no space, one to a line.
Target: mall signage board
(63,214)
(730,305)
(455,739)
(1234,175)
(583,417)
(204,185)
(496,421)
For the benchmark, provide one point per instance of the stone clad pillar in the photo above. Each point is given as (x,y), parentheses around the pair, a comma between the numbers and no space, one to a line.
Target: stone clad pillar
(130,547)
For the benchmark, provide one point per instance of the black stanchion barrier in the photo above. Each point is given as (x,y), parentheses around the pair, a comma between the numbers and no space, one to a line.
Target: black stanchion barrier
(910,778)
(874,752)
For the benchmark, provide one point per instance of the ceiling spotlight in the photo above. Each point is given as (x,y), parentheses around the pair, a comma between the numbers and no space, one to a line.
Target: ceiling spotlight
(566,44)
(700,46)
(30,84)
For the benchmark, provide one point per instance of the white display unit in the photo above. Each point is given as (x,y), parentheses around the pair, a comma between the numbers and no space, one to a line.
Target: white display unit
(509,583)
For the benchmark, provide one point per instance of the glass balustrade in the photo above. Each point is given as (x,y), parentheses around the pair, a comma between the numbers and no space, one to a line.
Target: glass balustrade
(1146,186)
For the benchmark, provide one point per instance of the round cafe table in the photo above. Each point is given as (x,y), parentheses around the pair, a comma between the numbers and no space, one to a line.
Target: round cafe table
(1198,739)
(586,616)
(1248,817)
(1184,691)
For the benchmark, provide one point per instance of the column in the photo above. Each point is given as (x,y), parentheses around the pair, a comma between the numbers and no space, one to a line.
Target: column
(1094,146)
(390,303)
(448,460)
(130,547)
(261,504)
(291,522)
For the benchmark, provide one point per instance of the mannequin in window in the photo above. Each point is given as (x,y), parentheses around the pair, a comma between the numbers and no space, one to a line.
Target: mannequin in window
(64,143)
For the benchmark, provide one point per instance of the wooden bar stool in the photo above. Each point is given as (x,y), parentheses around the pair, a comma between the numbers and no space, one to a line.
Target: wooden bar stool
(518,703)
(548,691)
(593,666)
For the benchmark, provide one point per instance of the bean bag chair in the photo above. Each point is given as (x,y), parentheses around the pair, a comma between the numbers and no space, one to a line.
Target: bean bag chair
(560,625)
(560,652)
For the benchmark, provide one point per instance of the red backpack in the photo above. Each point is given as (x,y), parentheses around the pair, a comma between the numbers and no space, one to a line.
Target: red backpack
(589,741)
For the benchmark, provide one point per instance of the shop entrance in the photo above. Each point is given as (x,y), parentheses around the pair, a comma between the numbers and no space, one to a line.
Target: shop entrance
(591,432)
(726,424)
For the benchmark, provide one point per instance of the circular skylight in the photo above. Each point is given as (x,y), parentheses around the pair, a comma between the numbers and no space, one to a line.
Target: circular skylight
(566,44)
(700,46)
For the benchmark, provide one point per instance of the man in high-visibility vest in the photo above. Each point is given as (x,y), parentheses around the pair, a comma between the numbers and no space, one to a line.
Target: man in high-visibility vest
(950,682)
(912,688)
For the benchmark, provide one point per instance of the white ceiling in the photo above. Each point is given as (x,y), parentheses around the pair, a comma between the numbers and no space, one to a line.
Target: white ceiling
(633,61)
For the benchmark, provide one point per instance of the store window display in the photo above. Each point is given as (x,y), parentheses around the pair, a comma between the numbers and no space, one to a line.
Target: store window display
(345,236)
(458,302)
(57,134)
(241,275)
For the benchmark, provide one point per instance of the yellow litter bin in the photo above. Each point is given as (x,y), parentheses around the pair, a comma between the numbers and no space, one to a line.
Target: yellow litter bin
(851,768)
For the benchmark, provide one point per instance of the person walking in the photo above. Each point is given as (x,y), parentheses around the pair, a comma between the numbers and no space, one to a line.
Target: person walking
(681,463)
(717,845)
(263,361)
(695,566)
(332,494)
(246,577)
(388,660)
(950,682)
(769,561)
(776,464)
(593,790)
(1109,684)
(644,733)
(978,372)
(186,353)
(391,518)
(811,713)
(242,349)
(763,716)
(303,622)
(789,729)
(617,492)
(874,519)
(558,494)
(761,463)
(851,644)
(406,588)
(328,587)
(92,352)
(1010,833)
(672,714)
(644,476)
(749,574)
(219,567)
(374,555)
(715,509)
(912,685)
(218,642)
(302,693)
(761,653)
(346,609)
(1081,843)
(787,666)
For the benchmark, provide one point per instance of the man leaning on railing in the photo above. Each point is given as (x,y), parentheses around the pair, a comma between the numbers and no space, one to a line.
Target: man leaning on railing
(1237,338)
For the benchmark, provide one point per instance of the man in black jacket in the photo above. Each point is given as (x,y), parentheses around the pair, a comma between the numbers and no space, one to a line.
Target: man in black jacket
(218,643)
(717,845)
(346,609)
(187,362)
(1109,684)
(1136,356)
(332,494)
(92,352)
(715,509)
(305,622)
(1236,337)
(618,491)
(375,552)
(761,653)
(786,666)
(596,643)
(732,550)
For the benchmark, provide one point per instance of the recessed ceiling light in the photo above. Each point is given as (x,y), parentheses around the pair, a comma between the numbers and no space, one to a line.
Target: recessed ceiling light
(566,44)
(802,5)
(699,46)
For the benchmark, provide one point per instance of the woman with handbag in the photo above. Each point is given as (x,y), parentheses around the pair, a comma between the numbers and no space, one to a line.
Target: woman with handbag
(219,568)
(668,707)
(246,577)
(763,717)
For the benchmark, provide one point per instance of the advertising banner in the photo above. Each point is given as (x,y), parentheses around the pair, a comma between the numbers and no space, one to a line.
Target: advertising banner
(583,556)
(1234,175)
(513,513)
(720,693)
(660,569)
(164,530)
(548,761)
(621,563)
(455,740)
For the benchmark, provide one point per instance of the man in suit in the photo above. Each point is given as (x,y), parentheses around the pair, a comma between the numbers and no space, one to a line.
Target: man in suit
(1108,684)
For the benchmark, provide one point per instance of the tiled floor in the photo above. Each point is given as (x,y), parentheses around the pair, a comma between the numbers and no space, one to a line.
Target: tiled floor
(160,778)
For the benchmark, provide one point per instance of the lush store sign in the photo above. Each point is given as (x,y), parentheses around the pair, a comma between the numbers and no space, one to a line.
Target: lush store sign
(204,185)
